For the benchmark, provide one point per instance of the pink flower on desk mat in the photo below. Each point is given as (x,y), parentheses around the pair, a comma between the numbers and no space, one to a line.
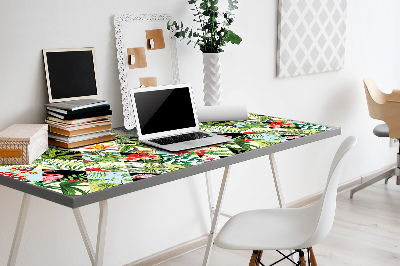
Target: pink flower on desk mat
(48,176)
(141,176)
(97,169)
(279,124)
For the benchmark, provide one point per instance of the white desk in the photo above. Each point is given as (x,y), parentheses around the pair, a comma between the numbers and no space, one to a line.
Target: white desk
(29,187)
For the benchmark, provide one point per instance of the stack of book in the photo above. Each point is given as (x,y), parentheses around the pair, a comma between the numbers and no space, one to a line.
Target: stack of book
(79,123)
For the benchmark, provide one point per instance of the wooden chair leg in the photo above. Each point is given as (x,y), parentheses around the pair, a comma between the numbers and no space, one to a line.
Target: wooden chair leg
(313,260)
(255,258)
(302,259)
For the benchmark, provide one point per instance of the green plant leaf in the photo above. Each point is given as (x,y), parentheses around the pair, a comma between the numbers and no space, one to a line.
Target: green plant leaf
(204,5)
(233,38)
(232,5)
(213,33)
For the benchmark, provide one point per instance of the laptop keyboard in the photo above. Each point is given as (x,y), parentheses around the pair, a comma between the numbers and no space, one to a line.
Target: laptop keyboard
(180,138)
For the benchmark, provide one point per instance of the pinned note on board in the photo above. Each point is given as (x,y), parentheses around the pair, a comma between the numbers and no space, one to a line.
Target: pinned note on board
(148,82)
(155,39)
(136,57)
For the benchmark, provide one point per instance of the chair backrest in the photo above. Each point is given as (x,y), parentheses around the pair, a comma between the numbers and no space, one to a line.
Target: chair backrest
(375,99)
(327,203)
(384,106)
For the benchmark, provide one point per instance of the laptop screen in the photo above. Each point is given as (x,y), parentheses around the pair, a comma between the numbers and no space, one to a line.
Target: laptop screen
(164,110)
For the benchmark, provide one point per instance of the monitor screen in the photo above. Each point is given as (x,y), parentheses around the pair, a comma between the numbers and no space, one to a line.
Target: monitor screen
(164,110)
(70,73)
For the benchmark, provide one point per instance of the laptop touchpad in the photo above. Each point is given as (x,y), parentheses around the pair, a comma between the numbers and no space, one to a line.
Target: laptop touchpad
(198,142)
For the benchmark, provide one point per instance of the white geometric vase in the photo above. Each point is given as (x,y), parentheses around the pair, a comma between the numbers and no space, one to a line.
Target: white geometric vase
(212,75)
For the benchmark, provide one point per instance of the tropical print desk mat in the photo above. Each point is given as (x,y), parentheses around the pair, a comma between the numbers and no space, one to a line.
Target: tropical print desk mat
(105,165)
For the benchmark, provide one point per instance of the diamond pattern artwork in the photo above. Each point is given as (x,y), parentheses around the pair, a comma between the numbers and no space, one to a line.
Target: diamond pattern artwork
(311,36)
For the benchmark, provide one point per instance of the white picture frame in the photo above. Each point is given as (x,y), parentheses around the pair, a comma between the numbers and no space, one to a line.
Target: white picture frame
(163,64)
(91,71)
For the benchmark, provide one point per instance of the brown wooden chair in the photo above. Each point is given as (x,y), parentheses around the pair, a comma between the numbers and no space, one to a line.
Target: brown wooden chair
(385,107)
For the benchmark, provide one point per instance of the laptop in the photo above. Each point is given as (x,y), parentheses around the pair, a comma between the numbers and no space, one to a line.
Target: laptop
(166,118)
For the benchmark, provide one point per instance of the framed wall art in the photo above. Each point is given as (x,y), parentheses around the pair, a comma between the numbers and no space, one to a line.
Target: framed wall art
(146,53)
(311,36)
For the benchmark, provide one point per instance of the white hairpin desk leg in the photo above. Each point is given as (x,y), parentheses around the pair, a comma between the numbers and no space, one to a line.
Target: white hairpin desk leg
(95,258)
(85,236)
(101,233)
(210,194)
(215,217)
(277,181)
(19,229)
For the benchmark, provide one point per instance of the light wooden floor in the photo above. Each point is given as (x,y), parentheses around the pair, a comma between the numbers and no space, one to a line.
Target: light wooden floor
(366,232)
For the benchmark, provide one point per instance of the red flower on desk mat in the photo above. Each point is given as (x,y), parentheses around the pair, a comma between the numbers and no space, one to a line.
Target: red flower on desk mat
(144,156)
(21,173)
(97,169)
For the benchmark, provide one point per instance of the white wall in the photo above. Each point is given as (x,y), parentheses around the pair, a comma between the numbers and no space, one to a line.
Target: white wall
(148,221)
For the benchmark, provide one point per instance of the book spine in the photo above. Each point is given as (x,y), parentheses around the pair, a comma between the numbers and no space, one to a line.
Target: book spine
(79,131)
(80,116)
(69,127)
(78,121)
(81,143)
(70,106)
(55,114)
(57,110)
(89,105)
(99,108)
(70,139)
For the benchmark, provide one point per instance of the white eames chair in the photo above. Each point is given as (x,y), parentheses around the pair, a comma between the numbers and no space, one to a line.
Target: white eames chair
(287,229)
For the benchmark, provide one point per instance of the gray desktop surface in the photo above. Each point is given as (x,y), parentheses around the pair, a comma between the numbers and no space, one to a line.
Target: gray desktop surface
(82,200)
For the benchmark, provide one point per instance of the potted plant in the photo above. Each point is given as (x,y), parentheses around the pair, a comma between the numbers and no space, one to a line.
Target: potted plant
(212,35)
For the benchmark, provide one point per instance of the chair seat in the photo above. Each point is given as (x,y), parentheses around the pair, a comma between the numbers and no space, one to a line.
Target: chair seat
(381,130)
(269,229)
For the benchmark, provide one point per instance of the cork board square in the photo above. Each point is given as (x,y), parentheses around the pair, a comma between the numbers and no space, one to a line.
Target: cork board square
(158,38)
(140,57)
(148,82)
